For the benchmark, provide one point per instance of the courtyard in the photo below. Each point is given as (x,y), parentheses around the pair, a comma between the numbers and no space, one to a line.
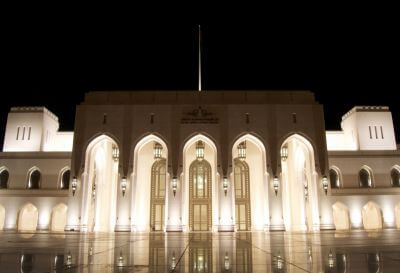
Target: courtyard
(327,251)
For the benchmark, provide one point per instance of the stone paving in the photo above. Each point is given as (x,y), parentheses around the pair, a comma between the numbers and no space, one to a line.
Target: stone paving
(328,251)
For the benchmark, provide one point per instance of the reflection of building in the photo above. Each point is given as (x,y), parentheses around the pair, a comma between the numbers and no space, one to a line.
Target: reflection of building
(148,161)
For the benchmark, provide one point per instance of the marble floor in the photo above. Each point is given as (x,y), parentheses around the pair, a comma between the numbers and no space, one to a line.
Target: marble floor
(329,251)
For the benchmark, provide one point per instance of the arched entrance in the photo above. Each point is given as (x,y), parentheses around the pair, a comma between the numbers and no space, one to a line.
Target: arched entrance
(158,192)
(100,185)
(58,218)
(299,188)
(28,218)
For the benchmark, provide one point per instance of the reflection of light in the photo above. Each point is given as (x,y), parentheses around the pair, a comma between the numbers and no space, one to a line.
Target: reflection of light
(200,182)
(330,259)
(226,261)
(120,261)
(68,262)
(173,261)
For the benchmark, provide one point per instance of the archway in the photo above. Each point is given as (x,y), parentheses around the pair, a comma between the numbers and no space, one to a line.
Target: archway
(341,217)
(28,218)
(58,218)
(397,213)
(372,216)
(2,216)
(250,186)
(299,187)
(194,174)
(100,185)
(150,179)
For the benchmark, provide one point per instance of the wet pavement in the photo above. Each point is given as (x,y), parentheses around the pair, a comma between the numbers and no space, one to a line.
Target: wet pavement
(356,251)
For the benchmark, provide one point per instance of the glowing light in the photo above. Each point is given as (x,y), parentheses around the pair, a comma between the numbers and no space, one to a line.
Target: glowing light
(120,261)
(225,185)
(174,185)
(173,261)
(242,150)
(123,185)
(115,153)
(325,184)
(227,264)
(331,261)
(74,185)
(200,150)
(157,150)
(276,185)
(284,153)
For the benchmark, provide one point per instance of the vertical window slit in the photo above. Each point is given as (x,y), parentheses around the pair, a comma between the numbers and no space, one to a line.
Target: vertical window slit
(370,133)
(18,132)
(376,133)
(382,132)
(29,133)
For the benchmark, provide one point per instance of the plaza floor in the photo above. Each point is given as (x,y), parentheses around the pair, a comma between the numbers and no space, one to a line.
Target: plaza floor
(356,251)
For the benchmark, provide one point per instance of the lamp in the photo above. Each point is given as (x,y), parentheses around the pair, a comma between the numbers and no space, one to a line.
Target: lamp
(94,190)
(284,153)
(200,150)
(173,261)
(174,185)
(242,150)
(115,153)
(120,262)
(157,150)
(227,263)
(276,185)
(331,261)
(123,185)
(225,185)
(74,185)
(306,192)
(68,262)
(325,184)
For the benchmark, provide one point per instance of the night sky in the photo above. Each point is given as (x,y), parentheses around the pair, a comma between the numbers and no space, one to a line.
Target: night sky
(53,64)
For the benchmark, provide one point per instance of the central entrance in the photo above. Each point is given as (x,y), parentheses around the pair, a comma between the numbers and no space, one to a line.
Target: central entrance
(200,196)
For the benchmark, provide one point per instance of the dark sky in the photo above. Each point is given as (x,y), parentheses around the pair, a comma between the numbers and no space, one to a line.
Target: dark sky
(345,63)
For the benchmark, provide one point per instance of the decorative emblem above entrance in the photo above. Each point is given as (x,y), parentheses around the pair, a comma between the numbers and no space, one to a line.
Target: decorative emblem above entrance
(199,115)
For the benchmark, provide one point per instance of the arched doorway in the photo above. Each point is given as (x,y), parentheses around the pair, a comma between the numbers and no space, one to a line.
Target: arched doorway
(299,188)
(200,198)
(250,184)
(100,185)
(28,218)
(150,191)
(372,216)
(58,218)
(341,217)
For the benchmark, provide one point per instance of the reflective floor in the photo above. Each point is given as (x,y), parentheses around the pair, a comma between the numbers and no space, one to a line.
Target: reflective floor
(357,251)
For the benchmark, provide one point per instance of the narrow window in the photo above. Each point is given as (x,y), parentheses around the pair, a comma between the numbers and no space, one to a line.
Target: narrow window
(364,178)
(247,118)
(17,133)
(65,180)
(23,133)
(29,133)
(294,117)
(4,175)
(370,133)
(151,118)
(334,178)
(34,180)
(376,133)
(395,175)
(104,118)
(382,132)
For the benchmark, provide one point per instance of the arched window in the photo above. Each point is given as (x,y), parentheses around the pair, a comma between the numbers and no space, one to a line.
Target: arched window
(4,178)
(158,176)
(34,179)
(64,185)
(395,176)
(365,178)
(334,177)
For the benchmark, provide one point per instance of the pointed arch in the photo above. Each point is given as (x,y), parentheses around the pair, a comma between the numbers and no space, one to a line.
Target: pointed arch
(4,177)
(299,185)
(341,217)
(64,177)
(365,177)
(28,218)
(59,217)
(141,194)
(158,195)
(211,156)
(395,176)
(335,177)
(2,216)
(372,216)
(34,178)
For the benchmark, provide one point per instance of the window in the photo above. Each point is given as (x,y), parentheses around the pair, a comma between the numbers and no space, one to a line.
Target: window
(364,177)
(334,177)
(65,179)
(34,179)
(382,132)
(18,132)
(370,133)
(395,175)
(4,179)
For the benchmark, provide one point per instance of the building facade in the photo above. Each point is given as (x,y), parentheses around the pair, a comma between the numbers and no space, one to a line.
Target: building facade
(199,161)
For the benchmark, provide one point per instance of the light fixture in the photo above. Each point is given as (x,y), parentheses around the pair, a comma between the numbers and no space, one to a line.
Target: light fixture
(123,185)
(157,150)
(325,184)
(174,185)
(227,263)
(279,261)
(200,150)
(173,261)
(306,192)
(284,153)
(74,185)
(115,153)
(225,185)
(120,262)
(68,262)
(93,190)
(276,185)
(331,261)
(242,150)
